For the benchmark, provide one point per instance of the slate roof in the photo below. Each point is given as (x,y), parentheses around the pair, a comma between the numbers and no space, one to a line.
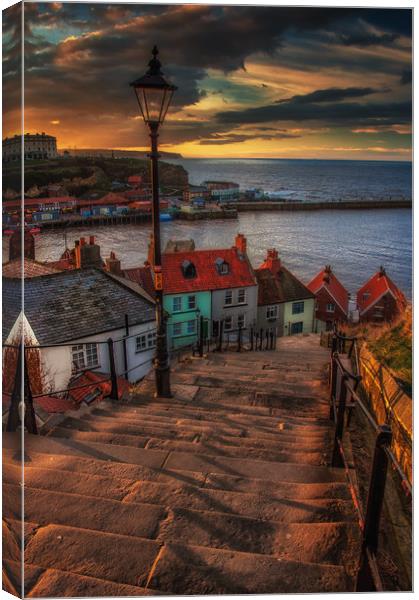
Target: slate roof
(75,304)
(331,283)
(376,287)
(280,287)
(12,304)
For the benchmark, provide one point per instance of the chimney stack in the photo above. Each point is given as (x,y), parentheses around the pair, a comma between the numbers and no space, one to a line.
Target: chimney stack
(87,255)
(273,262)
(113,265)
(327,273)
(15,245)
(241,243)
(382,272)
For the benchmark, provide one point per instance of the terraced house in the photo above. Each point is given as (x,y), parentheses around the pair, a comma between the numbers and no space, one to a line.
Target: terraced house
(285,304)
(217,284)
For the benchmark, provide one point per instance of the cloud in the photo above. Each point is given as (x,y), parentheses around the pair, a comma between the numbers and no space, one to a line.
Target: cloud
(330,95)
(339,113)
(234,138)
(369,39)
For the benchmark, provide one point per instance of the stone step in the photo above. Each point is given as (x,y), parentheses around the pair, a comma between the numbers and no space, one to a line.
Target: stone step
(193,570)
(144,563)
(61,508)
(115,480)
(118,558)
(262,449)
(272,375)
(177,461)
(202,414)
(182,431)
(325,543)
(254,505)
(53,583)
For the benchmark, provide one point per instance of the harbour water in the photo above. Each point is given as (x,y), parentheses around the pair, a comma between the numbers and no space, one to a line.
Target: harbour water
(354,242)
(315,180)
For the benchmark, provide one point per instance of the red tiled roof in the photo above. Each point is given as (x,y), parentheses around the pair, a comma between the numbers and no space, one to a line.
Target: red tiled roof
(51,404)
(143,276)
(100,383)
(207,277)
(375,287)
(112,198)
(32,268)
(333,286)
(64,264)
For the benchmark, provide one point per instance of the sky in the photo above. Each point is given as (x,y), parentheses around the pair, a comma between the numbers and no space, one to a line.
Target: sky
(276,82)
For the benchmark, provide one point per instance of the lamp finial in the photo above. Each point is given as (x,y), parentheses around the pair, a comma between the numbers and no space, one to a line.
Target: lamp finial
(154,64)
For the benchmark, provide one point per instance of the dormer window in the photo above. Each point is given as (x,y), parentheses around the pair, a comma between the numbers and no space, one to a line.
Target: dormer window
(222,266)
(188,269)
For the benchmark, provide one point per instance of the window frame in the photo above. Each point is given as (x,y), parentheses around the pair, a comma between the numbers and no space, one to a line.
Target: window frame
(84,353)
(188,323)
(230,320)
(228,294)
(241,317)
(174,300)
(330,307)
(192,296)
(242,291)
(299,303)
(150,341)
(274,308)
(177,324)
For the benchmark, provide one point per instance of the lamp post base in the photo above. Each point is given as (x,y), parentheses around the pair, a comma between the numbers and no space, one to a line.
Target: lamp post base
(162,375)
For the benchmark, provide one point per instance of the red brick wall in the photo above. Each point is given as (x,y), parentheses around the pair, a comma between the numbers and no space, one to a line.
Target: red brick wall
(323,298)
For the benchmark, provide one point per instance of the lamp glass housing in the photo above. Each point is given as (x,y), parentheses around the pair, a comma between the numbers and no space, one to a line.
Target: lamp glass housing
(154,101)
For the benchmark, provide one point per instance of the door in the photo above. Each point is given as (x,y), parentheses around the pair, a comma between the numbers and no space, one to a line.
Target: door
(297,327)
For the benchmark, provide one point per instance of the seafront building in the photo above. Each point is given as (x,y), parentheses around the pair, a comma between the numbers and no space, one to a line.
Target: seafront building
(332,300)
(285,304)
(379,299)
(223,192)
(37,146)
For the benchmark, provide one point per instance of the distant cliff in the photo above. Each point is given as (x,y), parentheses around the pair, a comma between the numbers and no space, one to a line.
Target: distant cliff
(110,153)
(78,175)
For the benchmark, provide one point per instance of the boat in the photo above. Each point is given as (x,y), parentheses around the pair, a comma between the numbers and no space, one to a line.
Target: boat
(165,217)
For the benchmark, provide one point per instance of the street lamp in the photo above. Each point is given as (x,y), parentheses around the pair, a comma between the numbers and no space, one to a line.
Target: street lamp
(154,94)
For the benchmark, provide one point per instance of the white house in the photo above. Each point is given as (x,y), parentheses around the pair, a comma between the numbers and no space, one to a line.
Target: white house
(70,316)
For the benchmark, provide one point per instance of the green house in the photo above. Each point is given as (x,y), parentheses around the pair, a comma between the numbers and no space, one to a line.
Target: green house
(184,311)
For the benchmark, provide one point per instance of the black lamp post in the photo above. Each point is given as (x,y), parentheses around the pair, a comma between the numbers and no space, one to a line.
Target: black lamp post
(154,94)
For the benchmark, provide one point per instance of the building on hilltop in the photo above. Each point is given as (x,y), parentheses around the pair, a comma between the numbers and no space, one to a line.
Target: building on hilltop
(285,304)
(379,299)
(332,300)
(37,146)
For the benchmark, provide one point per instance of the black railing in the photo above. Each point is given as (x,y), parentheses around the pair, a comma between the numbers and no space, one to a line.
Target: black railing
(343,399)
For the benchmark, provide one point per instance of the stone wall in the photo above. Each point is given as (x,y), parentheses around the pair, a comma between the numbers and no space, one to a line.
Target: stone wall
(390,405)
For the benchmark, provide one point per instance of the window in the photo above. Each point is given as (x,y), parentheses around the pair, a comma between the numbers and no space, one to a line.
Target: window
(228,323)
(177,304)
(241,297)
(297,307)
(188,269)
(145,341)
(228,297)
(84,356)
(191,326)
(191,302)
(241,321)
(222,266)
(272,312)
(297,327)
(330,307)
(177,329)
(366,295)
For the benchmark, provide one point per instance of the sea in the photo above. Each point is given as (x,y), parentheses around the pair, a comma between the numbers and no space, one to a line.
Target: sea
(354,242)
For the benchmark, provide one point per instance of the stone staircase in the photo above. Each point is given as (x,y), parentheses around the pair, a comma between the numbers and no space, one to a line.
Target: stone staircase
(223,489)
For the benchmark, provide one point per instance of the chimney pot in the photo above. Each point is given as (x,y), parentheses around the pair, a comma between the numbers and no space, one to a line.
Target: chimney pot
(82,241)
(241,243)
(77,243)
(92,240)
